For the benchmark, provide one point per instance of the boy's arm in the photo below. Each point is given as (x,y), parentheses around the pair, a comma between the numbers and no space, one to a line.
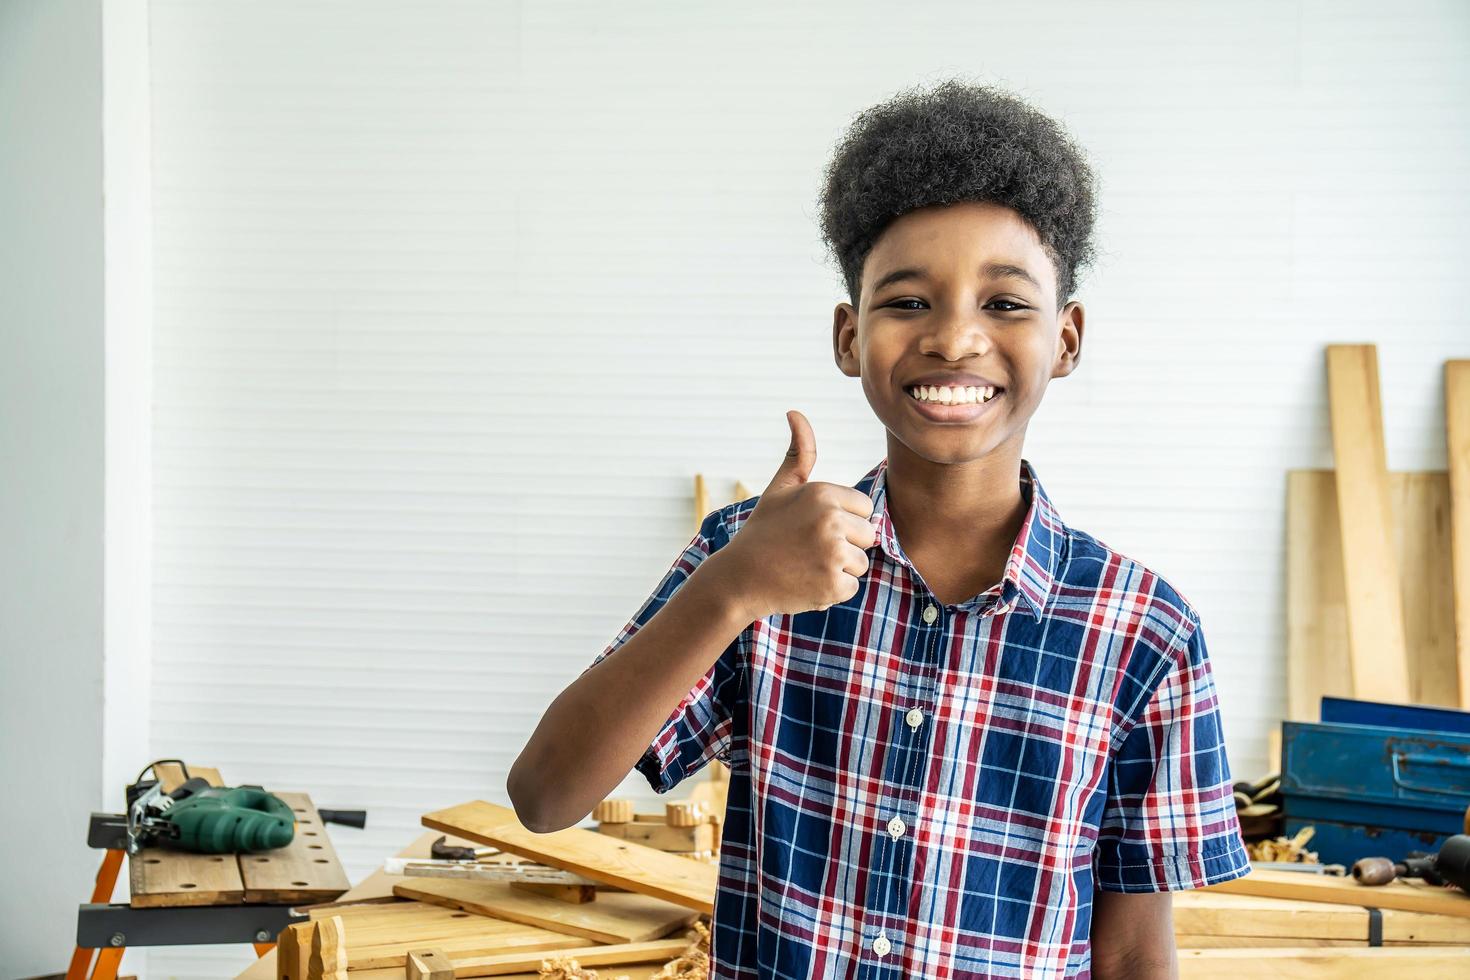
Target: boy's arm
(1133,936)
(596,729)
(802,547)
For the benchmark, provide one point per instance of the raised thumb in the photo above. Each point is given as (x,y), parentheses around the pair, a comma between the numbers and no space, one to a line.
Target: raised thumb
(801,456)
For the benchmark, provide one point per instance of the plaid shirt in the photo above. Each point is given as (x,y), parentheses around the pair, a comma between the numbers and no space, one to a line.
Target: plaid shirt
(921,789)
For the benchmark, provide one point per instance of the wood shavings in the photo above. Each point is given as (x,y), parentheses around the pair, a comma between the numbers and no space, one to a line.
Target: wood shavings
(1291,849)
(692,964)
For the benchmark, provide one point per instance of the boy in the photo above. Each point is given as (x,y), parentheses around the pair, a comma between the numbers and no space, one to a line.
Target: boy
(964,738)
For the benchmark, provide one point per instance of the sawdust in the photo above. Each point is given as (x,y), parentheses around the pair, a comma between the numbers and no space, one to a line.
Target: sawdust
(692,964)
(1292,849)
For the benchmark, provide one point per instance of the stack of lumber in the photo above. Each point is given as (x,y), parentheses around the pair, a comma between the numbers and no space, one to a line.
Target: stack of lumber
(1378,562)
(1304,925)
(649,906)
(646,909)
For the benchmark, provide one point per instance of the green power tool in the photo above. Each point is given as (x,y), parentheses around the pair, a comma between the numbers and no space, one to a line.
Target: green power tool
(208,819)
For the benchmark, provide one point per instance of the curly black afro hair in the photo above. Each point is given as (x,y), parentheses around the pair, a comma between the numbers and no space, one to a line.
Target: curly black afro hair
(957,142)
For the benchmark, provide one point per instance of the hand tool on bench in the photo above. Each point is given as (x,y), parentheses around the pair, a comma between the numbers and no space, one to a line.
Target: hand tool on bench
(1449,866)
(442,850)
(197,816)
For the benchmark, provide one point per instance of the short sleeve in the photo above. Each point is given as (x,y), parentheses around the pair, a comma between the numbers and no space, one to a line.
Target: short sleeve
(700,727)
(1170,822)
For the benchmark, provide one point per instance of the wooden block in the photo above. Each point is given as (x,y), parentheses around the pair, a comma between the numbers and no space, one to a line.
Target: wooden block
(664,837)
(613,918)
(328,950)
(635,867)
(683,814)
(613,811)
(164,878)
(502,965)
(1326,963)
(293,950)
(1457,454)
(1371,572)
(429,964)
(1405,895)
(306,870)
(575,894)
(1316,614)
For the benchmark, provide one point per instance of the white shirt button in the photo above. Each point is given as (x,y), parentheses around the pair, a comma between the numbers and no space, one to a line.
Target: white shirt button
(881,945)
(930,614)
(896,828)
(915,717)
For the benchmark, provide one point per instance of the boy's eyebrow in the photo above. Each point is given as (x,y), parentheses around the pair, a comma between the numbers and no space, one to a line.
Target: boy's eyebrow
(999,270)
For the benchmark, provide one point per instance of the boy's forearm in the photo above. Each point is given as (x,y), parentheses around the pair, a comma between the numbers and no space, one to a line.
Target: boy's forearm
(596,729)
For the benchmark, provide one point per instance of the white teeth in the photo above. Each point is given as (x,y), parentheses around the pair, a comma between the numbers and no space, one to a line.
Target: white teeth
(946,395)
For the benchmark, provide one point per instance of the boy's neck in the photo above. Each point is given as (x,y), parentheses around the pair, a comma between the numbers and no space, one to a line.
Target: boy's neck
(956,519)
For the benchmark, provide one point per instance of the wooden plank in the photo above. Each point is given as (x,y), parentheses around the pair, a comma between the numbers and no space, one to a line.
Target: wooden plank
(381,935)
(1457,455)
(615,918)
(525,942)
(690,884)
(429,964)
(1405,895)
(306,870)
(700,837)
(1186,940)
(163,878)
(1317,662)
(1316,614)
(1371,573)
(651,952)
(1421,521)
(576,894)
(425,931)
(1329,963)
(1209,912)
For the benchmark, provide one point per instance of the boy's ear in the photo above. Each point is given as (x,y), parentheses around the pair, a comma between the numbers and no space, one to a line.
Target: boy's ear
(1069,339)
(844,340)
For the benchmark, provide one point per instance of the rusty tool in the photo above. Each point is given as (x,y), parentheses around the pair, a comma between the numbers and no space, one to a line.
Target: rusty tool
(1450,866)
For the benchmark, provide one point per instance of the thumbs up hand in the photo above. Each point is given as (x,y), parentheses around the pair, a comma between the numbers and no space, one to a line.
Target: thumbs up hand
(804,546)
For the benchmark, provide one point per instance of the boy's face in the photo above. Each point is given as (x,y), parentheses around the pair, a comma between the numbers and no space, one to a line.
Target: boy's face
(957,314)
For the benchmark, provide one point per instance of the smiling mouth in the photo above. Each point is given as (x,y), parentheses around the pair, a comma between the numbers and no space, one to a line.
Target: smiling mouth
(946,395)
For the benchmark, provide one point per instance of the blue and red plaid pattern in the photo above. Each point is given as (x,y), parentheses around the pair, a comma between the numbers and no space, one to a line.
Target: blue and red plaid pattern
(929,790)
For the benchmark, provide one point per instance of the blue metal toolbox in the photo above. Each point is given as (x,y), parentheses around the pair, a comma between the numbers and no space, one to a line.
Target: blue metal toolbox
(1376,780)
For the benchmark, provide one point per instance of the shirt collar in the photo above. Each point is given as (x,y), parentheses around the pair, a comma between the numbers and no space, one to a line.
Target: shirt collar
(1032,566)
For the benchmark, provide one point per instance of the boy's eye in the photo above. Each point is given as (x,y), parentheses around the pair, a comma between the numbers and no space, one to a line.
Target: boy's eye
(1010,306)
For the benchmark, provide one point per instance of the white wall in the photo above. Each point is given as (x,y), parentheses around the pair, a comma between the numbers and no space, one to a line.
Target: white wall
(453,299)
(51,471)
